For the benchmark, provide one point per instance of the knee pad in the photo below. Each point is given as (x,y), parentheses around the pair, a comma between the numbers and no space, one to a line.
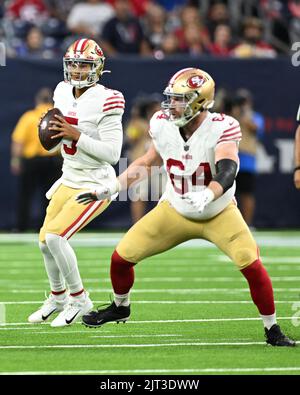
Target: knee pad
(243,257)
(53,240)
(43,247)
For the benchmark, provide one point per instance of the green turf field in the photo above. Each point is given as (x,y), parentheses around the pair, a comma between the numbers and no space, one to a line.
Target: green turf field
(191,313)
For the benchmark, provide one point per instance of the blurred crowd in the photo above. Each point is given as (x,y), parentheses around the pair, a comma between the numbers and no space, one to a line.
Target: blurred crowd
(137,142)
(240,105)
(156,28)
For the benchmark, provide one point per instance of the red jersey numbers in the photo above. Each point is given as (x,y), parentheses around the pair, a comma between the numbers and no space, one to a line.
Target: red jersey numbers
(202,176)
(180,182)
(71,148)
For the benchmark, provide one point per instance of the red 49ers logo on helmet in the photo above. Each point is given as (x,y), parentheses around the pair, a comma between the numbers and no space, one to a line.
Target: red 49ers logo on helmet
(98,51)
(195,81)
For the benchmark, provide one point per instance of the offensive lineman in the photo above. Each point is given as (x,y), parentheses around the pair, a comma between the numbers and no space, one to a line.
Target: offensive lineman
(199,150)
(92,139)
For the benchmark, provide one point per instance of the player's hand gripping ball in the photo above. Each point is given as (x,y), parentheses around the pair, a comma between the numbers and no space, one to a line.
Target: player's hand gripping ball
(45,133)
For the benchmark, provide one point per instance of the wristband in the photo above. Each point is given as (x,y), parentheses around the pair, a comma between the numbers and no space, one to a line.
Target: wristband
(209,194)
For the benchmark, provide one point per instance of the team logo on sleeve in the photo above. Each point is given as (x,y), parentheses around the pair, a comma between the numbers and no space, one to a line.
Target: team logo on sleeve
(195,81)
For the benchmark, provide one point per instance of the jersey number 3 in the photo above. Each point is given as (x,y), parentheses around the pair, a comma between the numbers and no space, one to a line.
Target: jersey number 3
(202,176)
(71,150)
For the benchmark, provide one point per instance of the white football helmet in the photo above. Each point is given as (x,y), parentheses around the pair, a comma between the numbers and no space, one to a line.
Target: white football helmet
(190,89)
(80,53)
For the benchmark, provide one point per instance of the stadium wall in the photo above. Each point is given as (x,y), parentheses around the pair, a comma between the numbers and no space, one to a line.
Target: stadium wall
(274,84)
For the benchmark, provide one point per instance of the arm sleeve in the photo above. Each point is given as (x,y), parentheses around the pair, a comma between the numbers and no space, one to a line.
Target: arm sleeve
(108,149)
(226,173)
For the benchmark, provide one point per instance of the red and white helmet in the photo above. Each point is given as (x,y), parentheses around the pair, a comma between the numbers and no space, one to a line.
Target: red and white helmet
(84,51)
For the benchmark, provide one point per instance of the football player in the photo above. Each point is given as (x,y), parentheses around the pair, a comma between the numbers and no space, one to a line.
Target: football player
(297,153)
(199,150)
(92,134)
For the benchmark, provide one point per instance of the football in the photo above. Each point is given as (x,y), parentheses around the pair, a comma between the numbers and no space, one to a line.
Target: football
(44,132)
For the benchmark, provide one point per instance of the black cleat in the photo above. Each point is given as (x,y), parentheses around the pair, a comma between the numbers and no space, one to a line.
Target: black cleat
(275,337)
(110,314)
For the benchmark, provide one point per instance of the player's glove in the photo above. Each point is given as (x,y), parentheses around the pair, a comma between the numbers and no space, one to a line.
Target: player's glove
(199,200)
(101,193)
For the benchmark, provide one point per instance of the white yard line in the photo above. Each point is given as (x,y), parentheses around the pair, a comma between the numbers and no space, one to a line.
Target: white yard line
(267,259)
(97,261)
(161,279)
(185,344)
(149,371)
(180,291)
(157,371)
(122,336)
(162,302)
(111,239)
(153,270)
(162,321)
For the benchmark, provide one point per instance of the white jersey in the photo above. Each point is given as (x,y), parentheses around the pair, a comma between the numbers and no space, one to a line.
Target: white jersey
(190,164)
(97,114)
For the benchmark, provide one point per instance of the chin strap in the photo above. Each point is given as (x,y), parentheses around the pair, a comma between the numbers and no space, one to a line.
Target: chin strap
(78,84)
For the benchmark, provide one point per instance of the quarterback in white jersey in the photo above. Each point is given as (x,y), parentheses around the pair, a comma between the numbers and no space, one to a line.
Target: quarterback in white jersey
(97,115)
(199,151)
(91,131)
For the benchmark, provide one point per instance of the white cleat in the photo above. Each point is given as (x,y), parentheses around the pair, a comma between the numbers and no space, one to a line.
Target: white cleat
(51,305)
(73,311)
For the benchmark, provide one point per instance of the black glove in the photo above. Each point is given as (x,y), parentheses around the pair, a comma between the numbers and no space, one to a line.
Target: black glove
(86,197)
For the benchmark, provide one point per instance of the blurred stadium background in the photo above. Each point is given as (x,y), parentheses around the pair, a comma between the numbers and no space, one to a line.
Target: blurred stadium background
(242,44)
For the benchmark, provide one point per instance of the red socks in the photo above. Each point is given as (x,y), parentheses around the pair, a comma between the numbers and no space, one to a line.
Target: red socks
(77,293)
(56,293)
(122,278)
(121,274)
(260,287)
